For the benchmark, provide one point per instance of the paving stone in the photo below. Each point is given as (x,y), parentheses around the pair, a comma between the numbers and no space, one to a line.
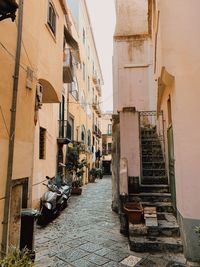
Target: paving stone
(76,242)
(72,255)
(83,263)
(116,256)
(130,261)
(98,260)
(103,251)
(90,247)
(112,264)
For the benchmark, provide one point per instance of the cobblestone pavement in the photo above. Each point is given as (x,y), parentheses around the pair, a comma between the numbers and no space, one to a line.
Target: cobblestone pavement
(86,234)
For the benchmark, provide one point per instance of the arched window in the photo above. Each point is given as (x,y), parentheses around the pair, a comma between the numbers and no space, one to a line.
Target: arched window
(89,138)
(83,134)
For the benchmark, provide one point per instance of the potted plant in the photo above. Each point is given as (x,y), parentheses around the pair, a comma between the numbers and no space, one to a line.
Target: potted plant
(95,173)
(75,168)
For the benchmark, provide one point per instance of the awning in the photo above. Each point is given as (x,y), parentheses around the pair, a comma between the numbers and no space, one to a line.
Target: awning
(72,43)
(70,40)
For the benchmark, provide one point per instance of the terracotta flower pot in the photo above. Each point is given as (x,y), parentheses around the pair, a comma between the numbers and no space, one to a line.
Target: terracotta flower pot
(134,211)
(76,191)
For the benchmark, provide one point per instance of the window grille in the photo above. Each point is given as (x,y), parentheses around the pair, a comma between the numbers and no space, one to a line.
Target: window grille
(42,143)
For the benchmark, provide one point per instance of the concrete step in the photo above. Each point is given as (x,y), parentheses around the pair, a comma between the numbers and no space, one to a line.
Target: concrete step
(155,180)
(156,244)
(164,228)
(151,197)
(155,188)
(160,206)
(153,172)
(152,158)
(153,165)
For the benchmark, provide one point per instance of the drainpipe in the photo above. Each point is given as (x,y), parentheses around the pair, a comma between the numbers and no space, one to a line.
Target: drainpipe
(12,133)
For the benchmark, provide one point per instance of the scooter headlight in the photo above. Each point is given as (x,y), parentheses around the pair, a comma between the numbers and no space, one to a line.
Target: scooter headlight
(48,205)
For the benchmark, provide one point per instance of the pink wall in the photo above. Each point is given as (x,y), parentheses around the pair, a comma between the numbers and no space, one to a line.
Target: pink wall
(131,75)
(179,43)
(129,141)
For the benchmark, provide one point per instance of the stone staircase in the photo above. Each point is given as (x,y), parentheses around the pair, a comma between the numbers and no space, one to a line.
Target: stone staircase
(162,232)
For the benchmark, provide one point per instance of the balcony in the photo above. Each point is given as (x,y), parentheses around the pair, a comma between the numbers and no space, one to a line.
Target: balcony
(94,78)
(99,134)
(64,132)
(95,129)
(94,105)
(98,87)
(106,152)
(68,72)
(98,110)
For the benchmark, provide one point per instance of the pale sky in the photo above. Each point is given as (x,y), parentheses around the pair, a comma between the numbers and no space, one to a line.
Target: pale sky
(102,16)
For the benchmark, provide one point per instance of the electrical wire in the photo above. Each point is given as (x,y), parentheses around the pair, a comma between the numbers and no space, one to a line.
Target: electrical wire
(4,120)
(25,50)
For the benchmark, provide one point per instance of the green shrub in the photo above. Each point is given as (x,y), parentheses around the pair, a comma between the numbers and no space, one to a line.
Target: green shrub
(197,230)
(16,258)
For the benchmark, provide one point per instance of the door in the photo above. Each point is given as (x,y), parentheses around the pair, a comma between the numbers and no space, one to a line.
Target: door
(171,165)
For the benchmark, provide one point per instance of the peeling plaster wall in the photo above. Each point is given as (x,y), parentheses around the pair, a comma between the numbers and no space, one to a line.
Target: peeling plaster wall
(132,17)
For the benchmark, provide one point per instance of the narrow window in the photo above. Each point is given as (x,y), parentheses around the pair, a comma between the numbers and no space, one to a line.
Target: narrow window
(84,71)
(83,35)
(109,148)
(42,143)
(88,83)
(109,129)
(51,20)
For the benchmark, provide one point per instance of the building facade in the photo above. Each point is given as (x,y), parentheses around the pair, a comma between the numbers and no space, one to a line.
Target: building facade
(88,82)
(107,143)
(176,63)
(49,96)
(155,75)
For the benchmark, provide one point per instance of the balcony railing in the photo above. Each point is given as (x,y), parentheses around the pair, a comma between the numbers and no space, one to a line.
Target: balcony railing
(67,67)
(94,78)
(64,132)
(94,105)
(99,134)
(98,87)
(106,152)
(95,129)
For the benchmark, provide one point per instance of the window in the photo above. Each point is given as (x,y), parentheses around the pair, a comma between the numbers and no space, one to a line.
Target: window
(109,129)
(51,20)
(88,83)
(84,71)
(88,52)
(70,128)
(42,143)
(89,138)
(83,134)
(83,35)
(109,148)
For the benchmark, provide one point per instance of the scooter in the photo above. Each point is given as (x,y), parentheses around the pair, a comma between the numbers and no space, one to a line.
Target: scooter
(51,203)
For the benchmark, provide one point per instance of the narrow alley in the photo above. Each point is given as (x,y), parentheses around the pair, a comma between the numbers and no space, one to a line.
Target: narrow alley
(87,234)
